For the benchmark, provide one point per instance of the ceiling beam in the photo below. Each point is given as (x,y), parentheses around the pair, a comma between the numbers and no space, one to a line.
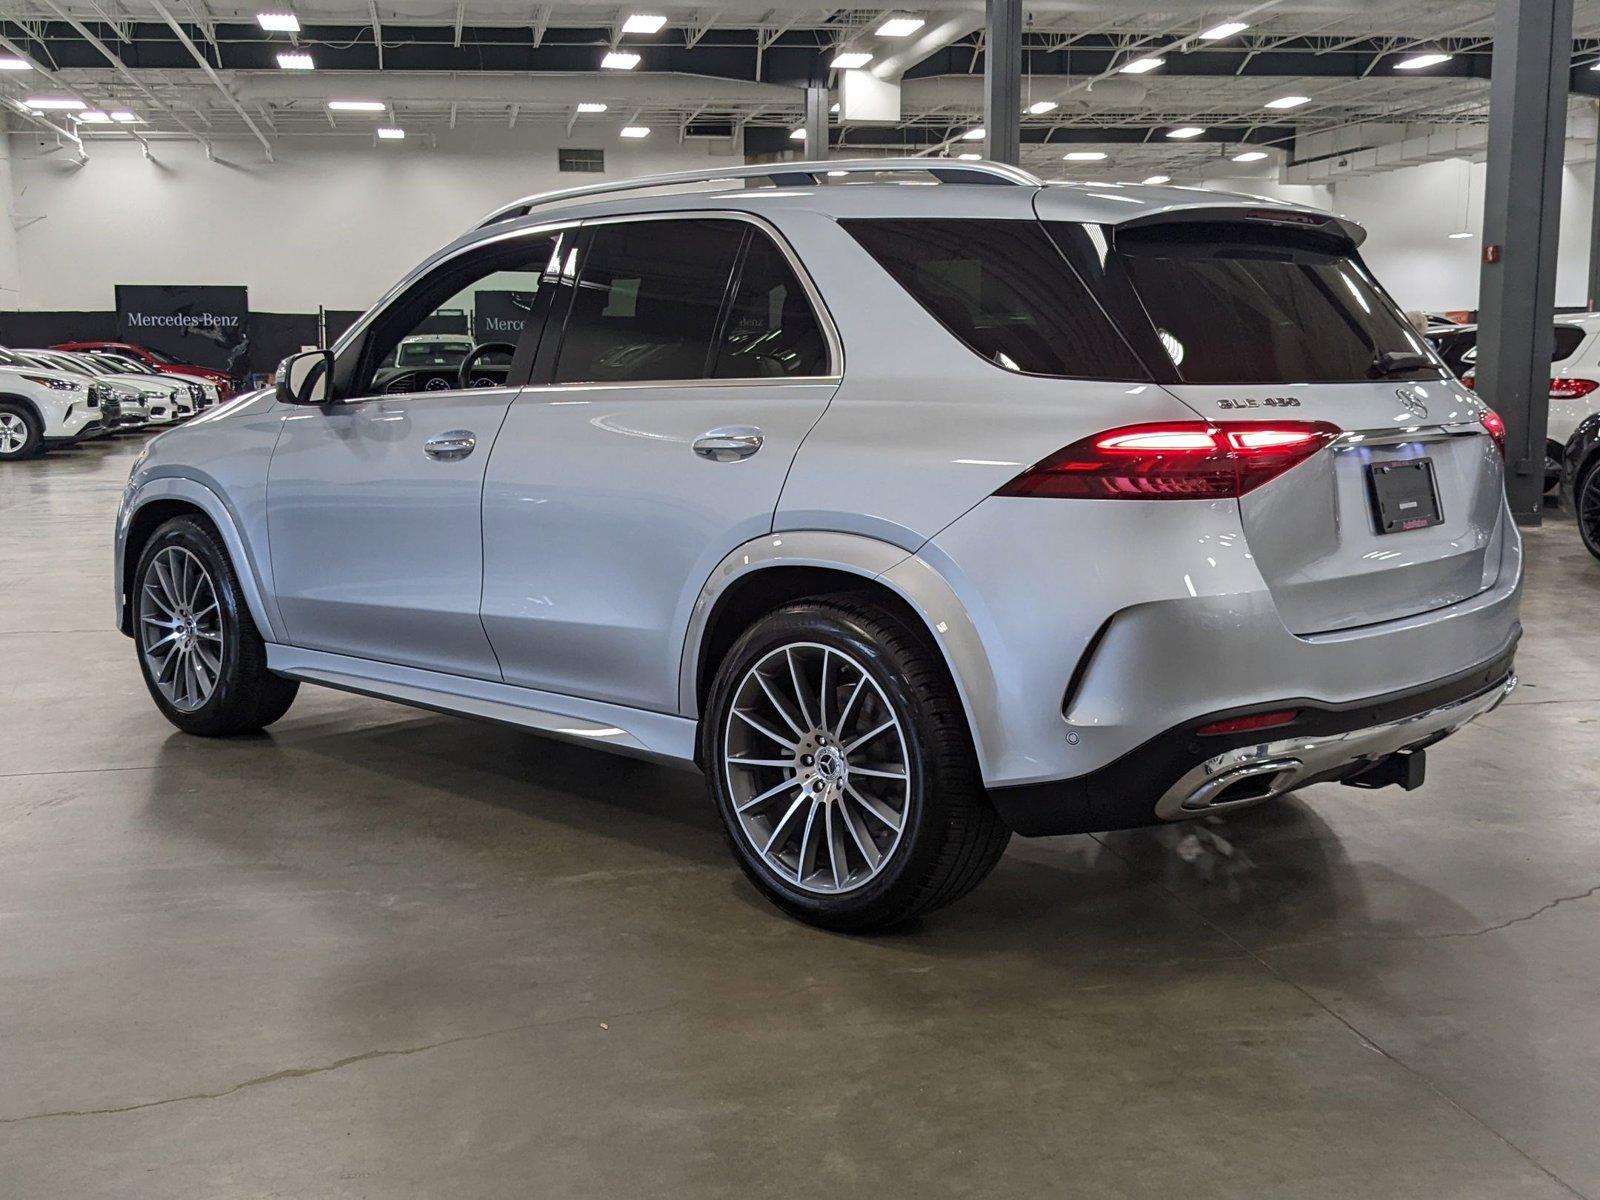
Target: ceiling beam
(205,66)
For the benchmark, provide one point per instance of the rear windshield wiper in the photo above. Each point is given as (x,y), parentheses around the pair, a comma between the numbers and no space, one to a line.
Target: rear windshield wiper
(1394,362)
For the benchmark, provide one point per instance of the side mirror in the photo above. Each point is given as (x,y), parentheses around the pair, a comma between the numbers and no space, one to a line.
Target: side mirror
(306,378)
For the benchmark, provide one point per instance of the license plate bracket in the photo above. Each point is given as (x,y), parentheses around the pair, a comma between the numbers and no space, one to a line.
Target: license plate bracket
(1405,495)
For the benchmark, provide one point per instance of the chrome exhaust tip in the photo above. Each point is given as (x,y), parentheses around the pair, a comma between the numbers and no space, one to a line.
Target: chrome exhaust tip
(1248,784)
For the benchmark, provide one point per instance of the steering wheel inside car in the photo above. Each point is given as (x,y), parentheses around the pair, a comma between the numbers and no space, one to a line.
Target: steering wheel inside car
(465,377)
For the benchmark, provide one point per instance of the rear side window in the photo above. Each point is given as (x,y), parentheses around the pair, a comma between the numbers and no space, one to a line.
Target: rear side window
(771,329)
(1231,304)
(1568,339)
(1004,290)
(648,301)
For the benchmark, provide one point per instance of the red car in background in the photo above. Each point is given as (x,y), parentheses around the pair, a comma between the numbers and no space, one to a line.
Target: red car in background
(160,361)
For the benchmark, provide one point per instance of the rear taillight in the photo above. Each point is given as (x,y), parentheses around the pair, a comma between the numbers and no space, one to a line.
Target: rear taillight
(1470,381)
(1571,389)
(1492,421)
(1254,721)
(1183,460)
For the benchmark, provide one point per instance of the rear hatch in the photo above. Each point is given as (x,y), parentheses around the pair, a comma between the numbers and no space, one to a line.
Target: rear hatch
(1258,321)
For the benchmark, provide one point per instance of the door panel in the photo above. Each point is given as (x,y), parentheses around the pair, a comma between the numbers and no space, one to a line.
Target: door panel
(602,521)
(375,536)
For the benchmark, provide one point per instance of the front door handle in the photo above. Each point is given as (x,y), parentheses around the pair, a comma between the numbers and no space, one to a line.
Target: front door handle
(451,445)
(730,443)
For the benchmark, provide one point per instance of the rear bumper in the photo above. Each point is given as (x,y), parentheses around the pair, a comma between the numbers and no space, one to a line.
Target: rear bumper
(1181,773)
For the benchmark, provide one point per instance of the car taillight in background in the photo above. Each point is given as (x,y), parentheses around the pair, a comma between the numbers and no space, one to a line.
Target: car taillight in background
(1496,426)
(1571,389)
(1181,460)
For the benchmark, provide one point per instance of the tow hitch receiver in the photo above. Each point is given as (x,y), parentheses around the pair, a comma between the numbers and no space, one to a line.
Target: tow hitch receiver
(1408,768)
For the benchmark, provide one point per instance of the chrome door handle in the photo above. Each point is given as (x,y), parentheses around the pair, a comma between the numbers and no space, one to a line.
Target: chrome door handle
(730,443)
(451,445)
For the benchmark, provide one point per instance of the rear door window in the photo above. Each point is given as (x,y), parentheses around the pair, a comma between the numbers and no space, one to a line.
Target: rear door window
(771,329)
(1002,288)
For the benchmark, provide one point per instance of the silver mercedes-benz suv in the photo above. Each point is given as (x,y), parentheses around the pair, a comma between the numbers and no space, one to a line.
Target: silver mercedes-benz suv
(917,503)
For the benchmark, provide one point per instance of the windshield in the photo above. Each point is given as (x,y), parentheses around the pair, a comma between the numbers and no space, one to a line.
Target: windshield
(163,356)
(444,353)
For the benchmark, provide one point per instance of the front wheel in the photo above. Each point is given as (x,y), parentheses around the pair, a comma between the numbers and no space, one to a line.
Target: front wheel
(202,657)
(21,435)
(1586,498)
(838,756)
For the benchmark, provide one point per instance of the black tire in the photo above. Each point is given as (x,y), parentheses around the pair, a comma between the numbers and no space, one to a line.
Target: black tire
(1586,504)
(33,438)
(247,697)
(951,836)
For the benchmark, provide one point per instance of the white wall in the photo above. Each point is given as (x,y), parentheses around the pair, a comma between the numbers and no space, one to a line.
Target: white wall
(10,265)
(332,222)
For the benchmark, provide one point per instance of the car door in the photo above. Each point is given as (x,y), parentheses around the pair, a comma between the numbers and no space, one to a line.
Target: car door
(374,501)
(692,361)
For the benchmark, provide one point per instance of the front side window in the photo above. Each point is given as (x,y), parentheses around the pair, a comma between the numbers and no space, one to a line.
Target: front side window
(1002,288)
(648,301)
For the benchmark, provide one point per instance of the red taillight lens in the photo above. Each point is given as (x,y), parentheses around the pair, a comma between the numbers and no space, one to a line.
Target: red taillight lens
(1571,389)
(1491,421)
(1184,460)
(1271,720)
(1470,381)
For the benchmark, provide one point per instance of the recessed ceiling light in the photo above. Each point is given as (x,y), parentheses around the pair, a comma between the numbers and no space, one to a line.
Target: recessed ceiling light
(368,106)
(55,104)
(296,62)
(643,23)
(123,117)
(278,22)
(1084,155)
(92,116)
(973,135)
(1039,107)
(850,60)
(969,157)
(635,131)
(1226,30)
(900,26)
(11,63)
(1288,102)
(1140,66)
(391,134)
(1155,179)
(1185,131)
(1250,156)
(1594,66)
(591,106)
(797,135)
(1418,61)
(1462,234)
(620,60)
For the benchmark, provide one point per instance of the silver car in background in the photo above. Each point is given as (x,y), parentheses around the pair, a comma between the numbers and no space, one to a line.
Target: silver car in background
(914,515)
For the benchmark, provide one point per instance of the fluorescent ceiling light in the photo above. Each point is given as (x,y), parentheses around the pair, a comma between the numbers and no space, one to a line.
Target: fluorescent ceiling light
(1155,179)
(391,134)
(1288,102)
(797,135)
(849,60)
(92,117)
(969,157)
(1039,107)
(590,106)
(1084,155)
(1462,234)
(55,104)
(900,26)
(1185,131)
(973,135)
(620,60)
(123,117)
(1250,156)
(11,63)
(1226,30)
(834,107)
(635,131)
(1418,61)
(643,23)
(296,62)
(1594,66)
(1140,66)
(357,106)
(278,22)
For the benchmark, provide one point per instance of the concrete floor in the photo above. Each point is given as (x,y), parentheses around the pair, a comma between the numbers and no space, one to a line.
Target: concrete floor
(381,953)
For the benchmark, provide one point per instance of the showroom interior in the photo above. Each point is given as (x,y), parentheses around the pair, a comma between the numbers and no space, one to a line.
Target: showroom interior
(363,945)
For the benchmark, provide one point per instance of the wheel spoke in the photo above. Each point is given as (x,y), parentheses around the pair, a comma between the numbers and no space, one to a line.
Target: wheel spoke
(859,835)
(783,828)
(850,703)
(867,737)
(877,771)
(807,862)
(152,591)
(760,728)
(799,689)
(760,762)
(783,709)
(876,807)
(794,781)
(822,693)
(841,869)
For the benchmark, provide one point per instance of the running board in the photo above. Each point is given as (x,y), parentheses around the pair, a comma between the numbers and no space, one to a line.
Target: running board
(661,737)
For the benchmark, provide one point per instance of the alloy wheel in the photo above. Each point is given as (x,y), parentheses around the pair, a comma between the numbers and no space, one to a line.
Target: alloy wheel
(13,433)
(1589,509)
(817,767)
(180,628)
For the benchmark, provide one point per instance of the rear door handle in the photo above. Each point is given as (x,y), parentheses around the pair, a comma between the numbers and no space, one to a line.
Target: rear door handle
(450,445)
(729,443)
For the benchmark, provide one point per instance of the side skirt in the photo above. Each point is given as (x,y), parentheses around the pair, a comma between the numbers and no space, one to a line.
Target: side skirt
(657,736)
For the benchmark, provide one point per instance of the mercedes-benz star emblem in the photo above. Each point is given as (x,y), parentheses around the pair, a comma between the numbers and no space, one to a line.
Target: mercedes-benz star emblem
(1412,403)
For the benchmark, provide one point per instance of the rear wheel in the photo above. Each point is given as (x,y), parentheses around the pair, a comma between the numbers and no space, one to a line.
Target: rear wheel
(202,657)
(1586,498)
(21,435)
(839,759)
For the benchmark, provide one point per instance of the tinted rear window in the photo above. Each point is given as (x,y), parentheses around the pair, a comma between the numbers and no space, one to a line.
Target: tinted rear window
(1003,289)
(1231,304)
(1568,339)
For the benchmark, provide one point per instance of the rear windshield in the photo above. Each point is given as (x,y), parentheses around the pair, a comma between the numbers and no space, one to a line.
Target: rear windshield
(1004,290)
(1232,304)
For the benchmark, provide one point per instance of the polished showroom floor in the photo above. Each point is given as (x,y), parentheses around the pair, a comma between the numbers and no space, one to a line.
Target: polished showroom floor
(381,953)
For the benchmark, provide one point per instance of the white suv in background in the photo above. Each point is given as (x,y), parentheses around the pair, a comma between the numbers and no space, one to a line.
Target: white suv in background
(40,408)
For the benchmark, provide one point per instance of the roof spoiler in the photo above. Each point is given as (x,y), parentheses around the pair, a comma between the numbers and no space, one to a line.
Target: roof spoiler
(1281,216)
